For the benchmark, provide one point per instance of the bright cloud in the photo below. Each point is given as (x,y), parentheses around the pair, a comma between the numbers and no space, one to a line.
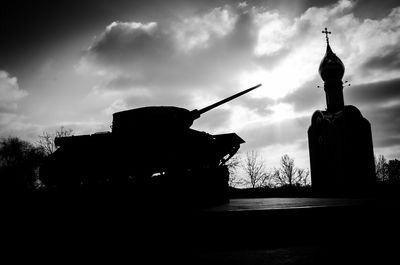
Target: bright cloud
(274,32)
(12,123)
(197,32)
(10,92)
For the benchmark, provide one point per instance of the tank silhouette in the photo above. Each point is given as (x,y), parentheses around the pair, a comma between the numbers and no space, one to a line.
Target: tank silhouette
(151,151)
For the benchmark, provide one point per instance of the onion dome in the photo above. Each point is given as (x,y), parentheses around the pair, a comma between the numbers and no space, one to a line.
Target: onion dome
(331,67)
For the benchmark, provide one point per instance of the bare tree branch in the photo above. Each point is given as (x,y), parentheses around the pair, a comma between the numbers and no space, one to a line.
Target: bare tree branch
(233,165)
(46,140)
(255,172)
(289,175)
(303,177)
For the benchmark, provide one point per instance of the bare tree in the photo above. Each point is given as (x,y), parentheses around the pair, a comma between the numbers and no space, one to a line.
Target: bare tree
(46,140)
(233,165)
(286,174)
(255,172)
(303,177)
(381,168)
(290,175)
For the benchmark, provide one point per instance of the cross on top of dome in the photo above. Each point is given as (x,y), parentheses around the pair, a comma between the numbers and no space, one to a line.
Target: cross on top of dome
(326,32)
(331,67)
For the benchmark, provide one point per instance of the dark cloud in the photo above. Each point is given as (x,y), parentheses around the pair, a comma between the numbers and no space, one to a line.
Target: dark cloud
(31,28)
(48,20)
(180,54)
(286,132)
(388,59)
(308,96)
(385,125)
(132,43)
(373,9)
(376,93)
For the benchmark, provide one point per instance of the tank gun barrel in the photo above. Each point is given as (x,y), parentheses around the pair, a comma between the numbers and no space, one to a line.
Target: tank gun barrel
(197,113)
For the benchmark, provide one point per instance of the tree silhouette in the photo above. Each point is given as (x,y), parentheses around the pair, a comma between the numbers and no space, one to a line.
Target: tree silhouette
(19,162)
(303,177)
(394,170)
(381,168)
(289,175)
(233,165)
(255,172)
(46,140)
(286,173)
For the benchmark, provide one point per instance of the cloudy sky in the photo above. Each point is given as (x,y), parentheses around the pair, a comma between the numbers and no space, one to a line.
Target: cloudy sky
(74,63)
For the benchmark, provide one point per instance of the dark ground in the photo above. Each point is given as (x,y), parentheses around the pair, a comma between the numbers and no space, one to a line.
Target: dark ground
(305,231)
(245,231)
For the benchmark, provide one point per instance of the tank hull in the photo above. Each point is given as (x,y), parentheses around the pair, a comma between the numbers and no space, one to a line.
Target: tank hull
(186,165)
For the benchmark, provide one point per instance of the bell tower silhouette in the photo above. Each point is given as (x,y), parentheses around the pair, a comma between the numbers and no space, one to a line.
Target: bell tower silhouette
(339,138)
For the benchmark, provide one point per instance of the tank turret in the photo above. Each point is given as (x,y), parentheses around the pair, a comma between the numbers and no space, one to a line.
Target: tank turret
(168,117)
(150,150)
